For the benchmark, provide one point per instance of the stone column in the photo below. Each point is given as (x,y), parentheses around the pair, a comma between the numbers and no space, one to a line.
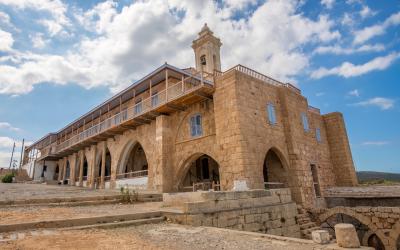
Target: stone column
(60,169)
(103,165)
(81,158)
(64,173)
(160,171)
(93,166)
(72,169)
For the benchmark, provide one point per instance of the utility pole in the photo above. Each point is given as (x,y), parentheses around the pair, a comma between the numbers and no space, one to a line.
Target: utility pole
(12,155)
(22,153)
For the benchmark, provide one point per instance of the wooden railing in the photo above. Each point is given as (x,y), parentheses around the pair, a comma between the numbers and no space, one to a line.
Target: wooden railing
(206,186)
(173,92)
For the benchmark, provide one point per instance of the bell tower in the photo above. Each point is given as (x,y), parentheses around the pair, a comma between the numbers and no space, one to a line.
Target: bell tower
(207,51)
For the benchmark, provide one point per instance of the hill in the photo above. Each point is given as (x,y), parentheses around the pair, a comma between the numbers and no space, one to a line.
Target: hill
(371,176)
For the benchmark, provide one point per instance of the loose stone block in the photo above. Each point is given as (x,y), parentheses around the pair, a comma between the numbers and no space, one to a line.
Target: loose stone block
(346,236)
(320,236)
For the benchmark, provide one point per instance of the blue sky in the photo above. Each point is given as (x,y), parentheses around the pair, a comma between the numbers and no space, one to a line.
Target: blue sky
(60,58)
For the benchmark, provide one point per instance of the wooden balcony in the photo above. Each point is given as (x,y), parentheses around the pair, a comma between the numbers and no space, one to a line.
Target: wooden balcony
(176,97)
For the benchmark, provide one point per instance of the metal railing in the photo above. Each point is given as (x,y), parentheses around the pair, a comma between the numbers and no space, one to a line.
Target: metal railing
(274,185)
(260,76)
(173,92)
(314,110)
(133,174)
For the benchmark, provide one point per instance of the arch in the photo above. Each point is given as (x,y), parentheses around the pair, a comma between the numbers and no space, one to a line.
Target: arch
(398,242)
(371,228)
(361,228)
(201,169)
(67,171)
(107,169)
(85,168)
(132,159)
(275,169)
(56,172)
(375,242)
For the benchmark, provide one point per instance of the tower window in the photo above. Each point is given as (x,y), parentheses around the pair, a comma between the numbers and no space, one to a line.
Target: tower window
(271,113)
(318,134)
(305,122)
(195,125)
(203,60)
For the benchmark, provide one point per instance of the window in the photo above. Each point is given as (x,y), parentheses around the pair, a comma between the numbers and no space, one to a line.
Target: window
(318,134)
(203,60)
(314,173)
(154,99)
(138,107)
(271,113)
(305,122)
(195,125)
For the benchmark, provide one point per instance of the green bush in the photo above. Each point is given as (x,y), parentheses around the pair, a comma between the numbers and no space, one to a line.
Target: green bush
(8,178)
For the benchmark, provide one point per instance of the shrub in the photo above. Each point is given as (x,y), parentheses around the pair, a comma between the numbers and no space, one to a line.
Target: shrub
(8,178)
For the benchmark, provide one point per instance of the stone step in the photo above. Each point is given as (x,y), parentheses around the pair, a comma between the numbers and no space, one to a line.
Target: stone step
(75,222)
(120,224)
(309,230)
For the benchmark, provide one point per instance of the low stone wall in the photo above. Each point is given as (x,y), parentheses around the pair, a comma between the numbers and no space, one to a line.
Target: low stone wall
(271,212)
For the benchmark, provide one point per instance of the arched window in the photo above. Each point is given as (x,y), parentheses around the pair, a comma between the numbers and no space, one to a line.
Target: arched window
(203,60)
(271,113)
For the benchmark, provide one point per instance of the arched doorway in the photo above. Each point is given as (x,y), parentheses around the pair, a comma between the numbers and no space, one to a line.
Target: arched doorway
(375,242)
(202,174)
(274,172)
(67,171)
(85,168)
(398,242)
(134,162)
(329,225)
(56,173)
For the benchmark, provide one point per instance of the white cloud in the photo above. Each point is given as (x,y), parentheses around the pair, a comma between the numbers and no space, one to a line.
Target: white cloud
(366,12)
(375,143)
(354,92)
(347,19)
(319,94)
(4,18)
(6,41)
(347,51)
(8,126)
(328,3)
(56,8)
(38,41)
(350,70)
(6,144)
(367,33)
(382,103)
(128,43)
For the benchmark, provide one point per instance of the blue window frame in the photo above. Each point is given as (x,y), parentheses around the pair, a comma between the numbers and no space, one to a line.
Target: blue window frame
(271,113)
(305,122)
(195,125)
(318,134)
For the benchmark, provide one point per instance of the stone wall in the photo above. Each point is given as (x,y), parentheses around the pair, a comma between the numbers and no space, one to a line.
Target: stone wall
(384,222)
(271,212)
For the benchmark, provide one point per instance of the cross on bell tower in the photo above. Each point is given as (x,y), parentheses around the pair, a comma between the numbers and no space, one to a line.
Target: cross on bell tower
(207,51)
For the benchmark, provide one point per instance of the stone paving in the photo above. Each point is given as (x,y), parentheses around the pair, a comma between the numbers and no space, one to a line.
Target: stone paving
(23,214)
(367,191)
(24,191)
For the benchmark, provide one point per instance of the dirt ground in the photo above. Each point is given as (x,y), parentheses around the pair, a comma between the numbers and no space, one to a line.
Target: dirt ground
(12,215)
(152,236)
